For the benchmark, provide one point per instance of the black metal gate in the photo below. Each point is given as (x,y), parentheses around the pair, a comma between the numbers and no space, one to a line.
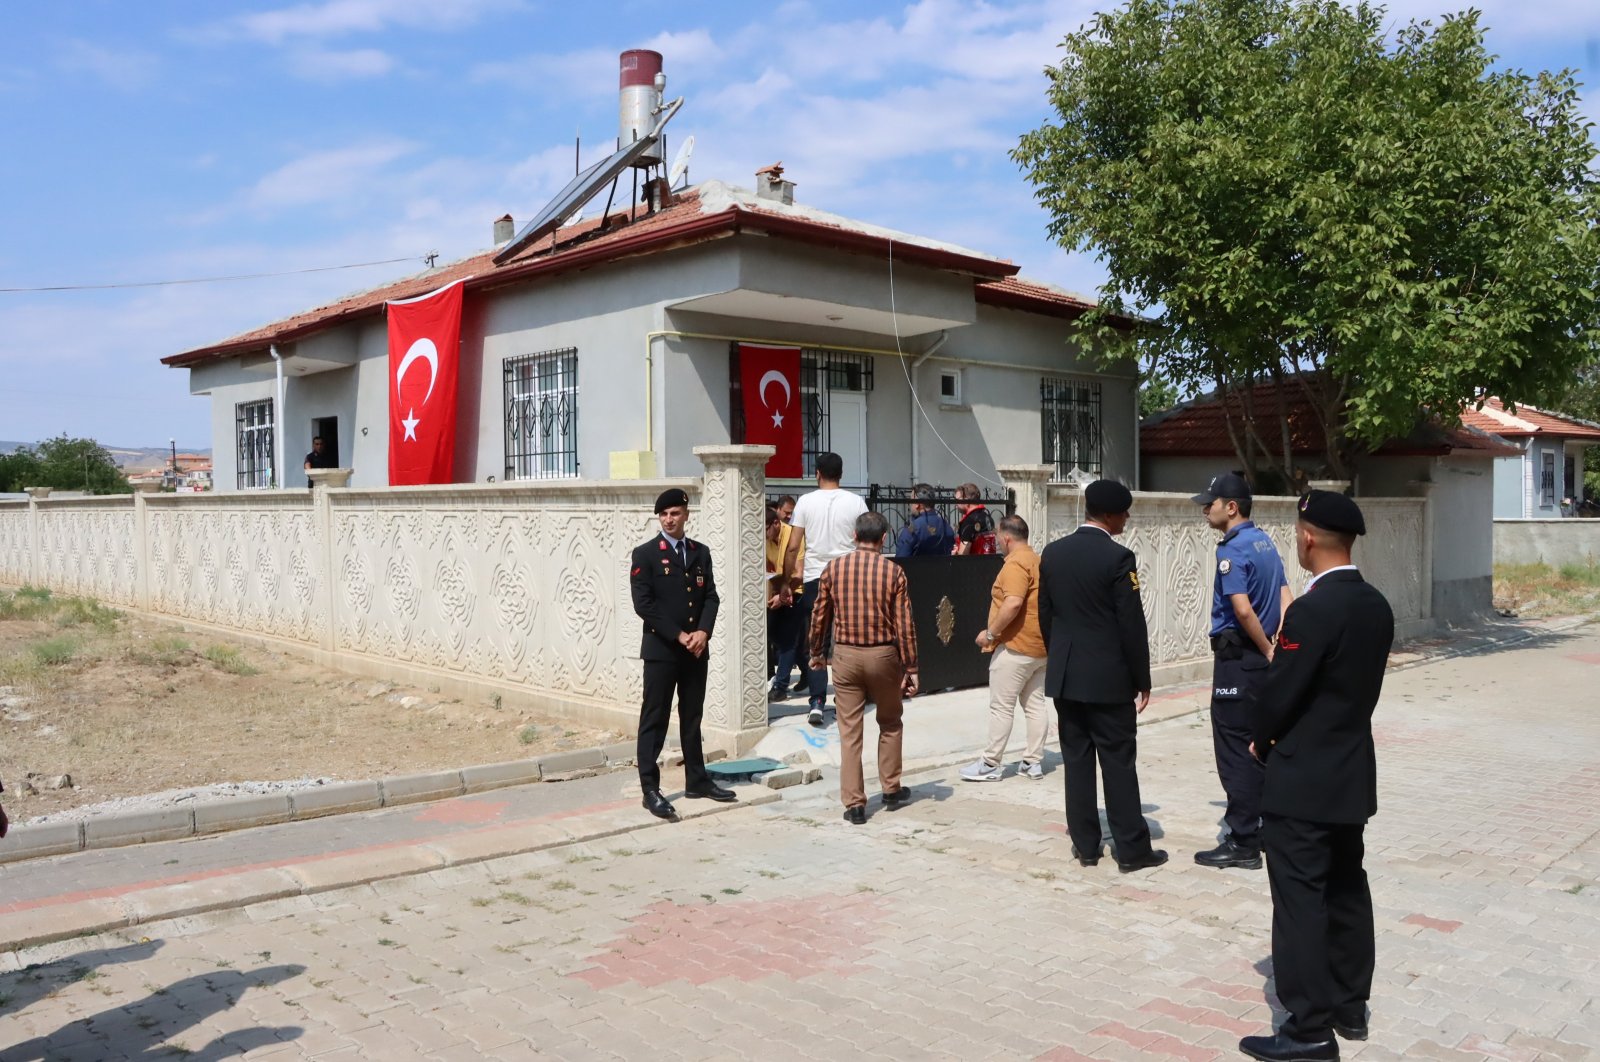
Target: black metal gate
(949,605)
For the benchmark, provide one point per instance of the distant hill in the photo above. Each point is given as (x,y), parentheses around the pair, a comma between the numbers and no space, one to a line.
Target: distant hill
(127,457)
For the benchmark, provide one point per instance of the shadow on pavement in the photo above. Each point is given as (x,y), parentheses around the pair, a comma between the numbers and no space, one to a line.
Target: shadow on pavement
(151,1027)
(24,988)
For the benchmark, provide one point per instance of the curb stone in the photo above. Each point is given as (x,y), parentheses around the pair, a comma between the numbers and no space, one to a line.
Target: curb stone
(48,924)
(219,816)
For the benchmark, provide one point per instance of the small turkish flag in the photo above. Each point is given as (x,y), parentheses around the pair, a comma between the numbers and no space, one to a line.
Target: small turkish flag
(769,378)
(424,356)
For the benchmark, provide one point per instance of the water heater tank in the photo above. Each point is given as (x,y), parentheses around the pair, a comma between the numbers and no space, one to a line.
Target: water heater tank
(641,84)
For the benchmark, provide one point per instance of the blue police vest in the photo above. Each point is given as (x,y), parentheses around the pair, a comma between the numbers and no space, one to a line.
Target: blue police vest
(1247,563)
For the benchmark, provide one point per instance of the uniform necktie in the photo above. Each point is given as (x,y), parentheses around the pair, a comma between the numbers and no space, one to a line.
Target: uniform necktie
(683,558)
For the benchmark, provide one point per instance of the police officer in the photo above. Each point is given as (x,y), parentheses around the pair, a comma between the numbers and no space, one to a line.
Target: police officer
(676,597)
(1313,727)
(1248,596)
(928,534)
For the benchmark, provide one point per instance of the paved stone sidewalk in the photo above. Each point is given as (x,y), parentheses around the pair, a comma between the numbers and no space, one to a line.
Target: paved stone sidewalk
(958,927)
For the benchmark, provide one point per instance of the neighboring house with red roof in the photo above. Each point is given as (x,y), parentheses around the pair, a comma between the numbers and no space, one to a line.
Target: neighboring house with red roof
(622,330)
(1544,478)
(1180,449)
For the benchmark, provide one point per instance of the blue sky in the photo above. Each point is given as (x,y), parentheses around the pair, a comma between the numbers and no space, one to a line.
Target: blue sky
(166,140)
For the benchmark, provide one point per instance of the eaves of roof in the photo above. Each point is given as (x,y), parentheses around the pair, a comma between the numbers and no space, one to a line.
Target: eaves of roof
(647,240)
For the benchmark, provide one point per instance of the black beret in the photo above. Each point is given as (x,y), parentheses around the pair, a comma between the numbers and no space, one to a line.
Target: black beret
(1332,512)
(670,497)
(1225,485)
(1107,496)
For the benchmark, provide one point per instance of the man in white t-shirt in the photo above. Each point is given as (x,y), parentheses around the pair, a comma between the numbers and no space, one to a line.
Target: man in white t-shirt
(827,517)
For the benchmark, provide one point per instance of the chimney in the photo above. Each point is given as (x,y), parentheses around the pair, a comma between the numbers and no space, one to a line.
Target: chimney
(658,193)
(771,186)
(504,229)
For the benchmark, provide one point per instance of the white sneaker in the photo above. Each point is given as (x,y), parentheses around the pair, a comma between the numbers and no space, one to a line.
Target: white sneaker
(979,771)
(1031,770)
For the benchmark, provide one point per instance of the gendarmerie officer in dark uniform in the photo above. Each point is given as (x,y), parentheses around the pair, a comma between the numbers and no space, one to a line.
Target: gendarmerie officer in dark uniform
(676,597)
(1099,674)
(1314,730)
(1248,595)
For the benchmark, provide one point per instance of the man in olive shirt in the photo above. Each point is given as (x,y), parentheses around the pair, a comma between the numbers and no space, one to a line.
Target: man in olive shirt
(1016,669)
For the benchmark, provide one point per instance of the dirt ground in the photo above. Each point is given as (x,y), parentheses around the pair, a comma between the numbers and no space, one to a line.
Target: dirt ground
(1535,591)
(128,706)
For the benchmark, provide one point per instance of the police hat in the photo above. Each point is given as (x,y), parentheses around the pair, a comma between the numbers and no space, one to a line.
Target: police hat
(1332,512)
(670,497)
(1107,496)
(1224,485)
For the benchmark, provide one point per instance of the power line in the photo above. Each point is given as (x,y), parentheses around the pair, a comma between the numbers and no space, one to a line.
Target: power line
(205,280)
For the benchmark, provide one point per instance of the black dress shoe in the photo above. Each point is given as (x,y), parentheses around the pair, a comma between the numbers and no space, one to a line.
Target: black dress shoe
(1086,860)
(711,791)
(857,815)
(1230,853)
(1281,1048)
(1351,1026)
(657,805)
(1154,858)
(898,799)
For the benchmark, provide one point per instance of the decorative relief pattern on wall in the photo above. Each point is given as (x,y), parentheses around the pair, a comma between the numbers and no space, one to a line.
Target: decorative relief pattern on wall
(1177,559)
(15,546)
(224,562)
(88,549)
(516,586)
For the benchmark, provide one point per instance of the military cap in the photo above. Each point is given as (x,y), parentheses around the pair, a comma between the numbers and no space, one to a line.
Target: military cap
(1332,512)
(1224,485)
(670,497)
(1107,496)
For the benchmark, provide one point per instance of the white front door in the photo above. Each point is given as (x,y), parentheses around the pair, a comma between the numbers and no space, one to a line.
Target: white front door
(847,434)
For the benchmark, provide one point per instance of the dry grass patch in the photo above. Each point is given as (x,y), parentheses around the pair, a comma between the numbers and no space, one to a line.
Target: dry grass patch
(1539,590)
(129,706)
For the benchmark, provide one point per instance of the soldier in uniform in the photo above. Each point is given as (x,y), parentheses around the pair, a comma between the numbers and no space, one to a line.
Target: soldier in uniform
(676,597)
(1313,727)
(1249,593)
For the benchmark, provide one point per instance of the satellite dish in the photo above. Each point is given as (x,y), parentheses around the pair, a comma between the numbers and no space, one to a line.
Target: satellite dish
(680,161)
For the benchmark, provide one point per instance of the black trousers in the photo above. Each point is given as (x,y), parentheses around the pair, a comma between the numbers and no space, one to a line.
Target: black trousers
(1104,732)
(1235,684)
(1322,935)
(814,681)
(686,676)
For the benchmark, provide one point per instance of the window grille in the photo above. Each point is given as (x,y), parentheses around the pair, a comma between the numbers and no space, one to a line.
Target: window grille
(1547,480)
(1069,416)
(253,423)
(541,411)
(822,372)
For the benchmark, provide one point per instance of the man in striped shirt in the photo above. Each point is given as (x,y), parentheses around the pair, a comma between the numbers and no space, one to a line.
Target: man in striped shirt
(862,596)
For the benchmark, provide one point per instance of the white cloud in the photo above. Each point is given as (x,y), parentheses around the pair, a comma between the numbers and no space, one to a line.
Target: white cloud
(329,66)
(688,47)
(586,74)
(335,18)
(125,69)
(326,176)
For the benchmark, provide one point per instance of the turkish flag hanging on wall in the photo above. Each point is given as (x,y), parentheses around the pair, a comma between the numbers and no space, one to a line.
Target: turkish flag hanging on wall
(424,355)
(769,379)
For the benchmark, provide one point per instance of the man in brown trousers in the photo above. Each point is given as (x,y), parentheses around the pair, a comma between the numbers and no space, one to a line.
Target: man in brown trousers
(862,596)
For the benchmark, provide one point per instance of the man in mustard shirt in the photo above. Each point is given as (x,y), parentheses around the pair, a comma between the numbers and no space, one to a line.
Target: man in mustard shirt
(1016,668)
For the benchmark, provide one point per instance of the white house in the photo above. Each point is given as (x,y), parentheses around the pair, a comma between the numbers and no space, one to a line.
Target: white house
(605,349)
(1544,478)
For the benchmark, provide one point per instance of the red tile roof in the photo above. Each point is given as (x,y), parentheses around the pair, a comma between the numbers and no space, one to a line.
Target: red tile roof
(1016,293)
(620,235)
(1199,428)
(1495,417)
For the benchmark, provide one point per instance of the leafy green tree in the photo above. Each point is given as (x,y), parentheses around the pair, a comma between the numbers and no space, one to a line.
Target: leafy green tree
(79,464)
(1381,221)
(1156,393)
(19,469)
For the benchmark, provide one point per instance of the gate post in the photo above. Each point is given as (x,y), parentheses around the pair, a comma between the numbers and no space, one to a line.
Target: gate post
(731,520)
(1030,483)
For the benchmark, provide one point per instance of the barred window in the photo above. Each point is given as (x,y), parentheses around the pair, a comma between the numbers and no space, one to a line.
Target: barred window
(1547,480)
(541,412)
(1069,416)
(253,423)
